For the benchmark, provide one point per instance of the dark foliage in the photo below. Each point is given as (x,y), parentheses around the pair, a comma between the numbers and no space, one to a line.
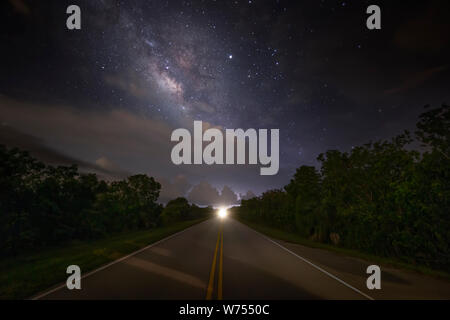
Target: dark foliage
(180,209)
(380,198)
(43,205)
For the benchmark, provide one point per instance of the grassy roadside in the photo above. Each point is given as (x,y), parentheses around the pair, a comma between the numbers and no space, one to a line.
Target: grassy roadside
(293,238)
(28,274)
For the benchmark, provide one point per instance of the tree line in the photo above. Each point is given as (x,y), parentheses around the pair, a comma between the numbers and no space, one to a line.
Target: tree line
(382,198)
(43,205)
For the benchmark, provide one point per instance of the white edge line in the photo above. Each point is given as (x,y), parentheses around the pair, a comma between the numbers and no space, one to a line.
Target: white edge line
(312,264)
(39,296)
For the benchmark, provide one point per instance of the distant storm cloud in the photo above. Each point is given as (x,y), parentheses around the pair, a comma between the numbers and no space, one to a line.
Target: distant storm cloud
(206,194)
(227,196)
(173,188)
(203,194)
(247,196)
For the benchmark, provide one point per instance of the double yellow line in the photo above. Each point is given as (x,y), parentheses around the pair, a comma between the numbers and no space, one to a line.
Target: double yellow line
(219,244)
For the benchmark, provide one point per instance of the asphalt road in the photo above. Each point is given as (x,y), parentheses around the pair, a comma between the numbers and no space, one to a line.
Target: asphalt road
(224,259)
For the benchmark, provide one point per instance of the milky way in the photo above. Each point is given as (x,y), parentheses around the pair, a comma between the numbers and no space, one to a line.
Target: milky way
(309,68)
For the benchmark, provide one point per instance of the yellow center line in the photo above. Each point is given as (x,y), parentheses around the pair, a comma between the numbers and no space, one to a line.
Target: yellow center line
(209,291)
(219,287)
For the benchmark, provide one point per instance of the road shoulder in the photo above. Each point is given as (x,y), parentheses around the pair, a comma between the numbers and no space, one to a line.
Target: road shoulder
(396,283)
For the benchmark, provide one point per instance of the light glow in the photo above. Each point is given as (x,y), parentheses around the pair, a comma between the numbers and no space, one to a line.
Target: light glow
(222,213)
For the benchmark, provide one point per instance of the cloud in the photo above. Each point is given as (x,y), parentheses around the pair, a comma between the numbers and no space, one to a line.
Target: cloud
(13,138)
(248,195)
(131,141)
(108,165)
(172,189)
(227,197)
(205,194)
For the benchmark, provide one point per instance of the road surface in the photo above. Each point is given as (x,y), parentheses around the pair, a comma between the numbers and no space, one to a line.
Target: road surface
(224,259)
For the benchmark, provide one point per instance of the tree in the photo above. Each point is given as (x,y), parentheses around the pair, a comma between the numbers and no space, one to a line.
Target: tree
(175,210)
(434,130)
(382,197)
(43,205)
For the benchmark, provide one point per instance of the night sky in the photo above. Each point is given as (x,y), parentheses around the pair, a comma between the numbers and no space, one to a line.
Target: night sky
(108,96)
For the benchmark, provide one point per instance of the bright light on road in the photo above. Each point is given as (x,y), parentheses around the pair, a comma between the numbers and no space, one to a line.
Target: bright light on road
(222,213)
